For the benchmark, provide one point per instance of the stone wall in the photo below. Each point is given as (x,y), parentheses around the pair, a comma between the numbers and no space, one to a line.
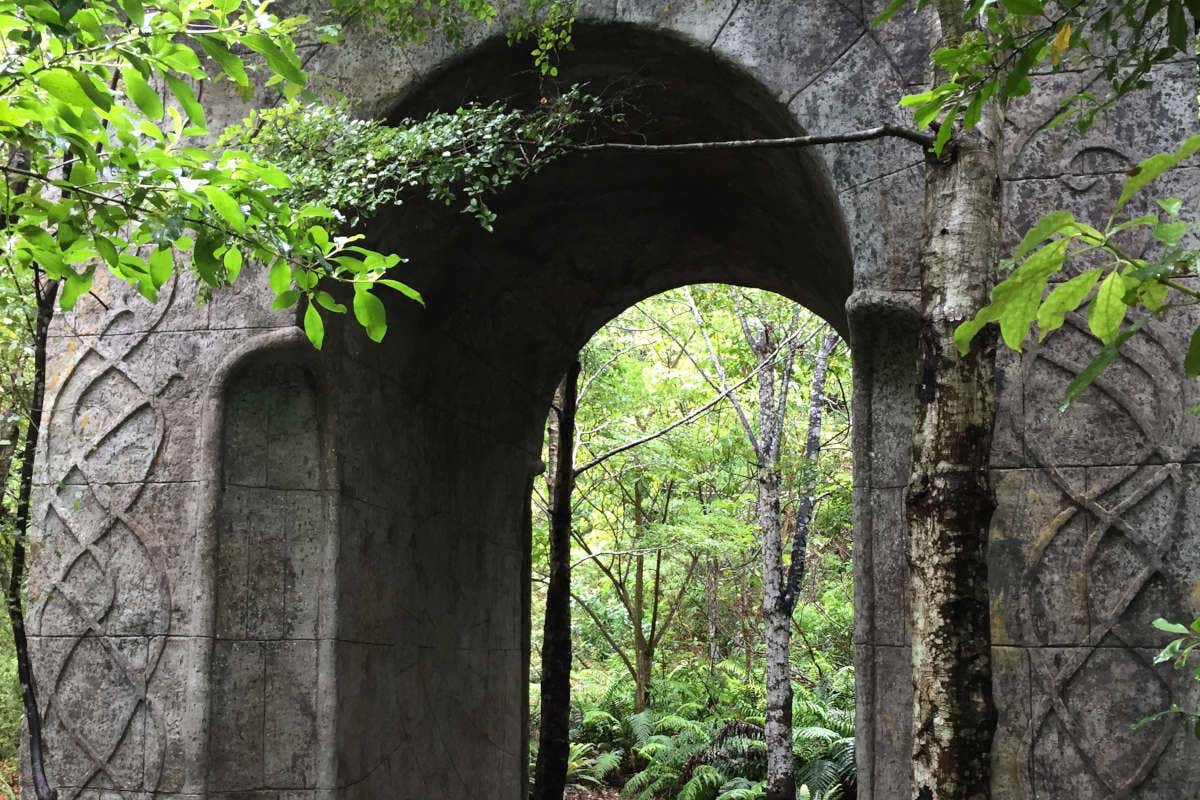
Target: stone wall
(268,573)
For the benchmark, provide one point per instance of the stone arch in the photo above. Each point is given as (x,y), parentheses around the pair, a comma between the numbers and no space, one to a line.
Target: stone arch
(439,428)
(429,441)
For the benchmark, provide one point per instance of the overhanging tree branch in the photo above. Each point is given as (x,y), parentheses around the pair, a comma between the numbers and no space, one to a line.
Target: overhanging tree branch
(867,134)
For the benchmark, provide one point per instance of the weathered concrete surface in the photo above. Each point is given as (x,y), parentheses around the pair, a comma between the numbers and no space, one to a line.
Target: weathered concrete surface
(270,574)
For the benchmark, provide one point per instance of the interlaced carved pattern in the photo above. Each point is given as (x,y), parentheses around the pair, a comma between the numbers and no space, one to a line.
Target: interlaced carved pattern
(1152,472)
(98,512)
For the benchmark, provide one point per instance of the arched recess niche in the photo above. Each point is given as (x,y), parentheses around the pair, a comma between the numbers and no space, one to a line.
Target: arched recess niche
(438,429)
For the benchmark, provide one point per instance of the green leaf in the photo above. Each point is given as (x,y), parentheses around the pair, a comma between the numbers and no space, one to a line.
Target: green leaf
(326,301)
(909,100)
(204,258)
(106,249)
(1177,27)
(1016,299)
(945,131)
(280,277)
(1191,362)
(888,12)
(1154,166)
(927,113)
(281,63)
(182,59)
(974,112)
(75,286)
(404,289)
(99,94)
(1171,205)
(320,237)
(162,264)
(224,204)
(1108,309)
(1171,232)
(370,313)
(1027,7)
(233,263)
(1098,364)
(1170,627)
(965,332)
(286,299)
(1137,222)
(1062,299)
(61,85)
(231,64)
(1043,229)
(142,94)
(187,100)
(135,11)
(314,326)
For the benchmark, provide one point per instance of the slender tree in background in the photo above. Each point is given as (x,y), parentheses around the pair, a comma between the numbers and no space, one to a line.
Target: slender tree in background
(554,734)
(775,356)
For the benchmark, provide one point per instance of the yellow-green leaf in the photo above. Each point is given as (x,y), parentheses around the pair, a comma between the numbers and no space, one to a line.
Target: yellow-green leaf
(224,204)
(1062,299)
(1108,308)
(370,313)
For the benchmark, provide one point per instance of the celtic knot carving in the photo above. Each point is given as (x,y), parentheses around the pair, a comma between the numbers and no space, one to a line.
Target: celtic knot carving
(102,604)
(1100,507)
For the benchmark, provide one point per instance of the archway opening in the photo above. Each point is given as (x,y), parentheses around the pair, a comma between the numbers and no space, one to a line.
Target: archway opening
(709,553)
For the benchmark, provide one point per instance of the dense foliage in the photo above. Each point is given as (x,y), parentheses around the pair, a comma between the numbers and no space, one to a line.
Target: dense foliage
(665,546)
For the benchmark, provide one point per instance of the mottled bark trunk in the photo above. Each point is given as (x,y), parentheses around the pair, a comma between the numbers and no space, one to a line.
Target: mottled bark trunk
(642,659)
(777,617)
(641,684)
(550,773)
(950,500)
(712,612)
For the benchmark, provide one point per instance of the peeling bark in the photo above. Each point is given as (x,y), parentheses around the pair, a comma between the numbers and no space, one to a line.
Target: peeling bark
(950,500)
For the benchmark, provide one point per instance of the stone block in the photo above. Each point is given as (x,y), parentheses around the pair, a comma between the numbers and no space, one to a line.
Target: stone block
(236,717)
(1036,558)
(698,22)
(1084,743)
(1149,121)
(879,219)
(893,722)
(1140,550)
(859,90)
(171,737)
(99,745)
(865,718)
(1010,752)
(1113,421)
(800,43)
(889,576)
(293,728)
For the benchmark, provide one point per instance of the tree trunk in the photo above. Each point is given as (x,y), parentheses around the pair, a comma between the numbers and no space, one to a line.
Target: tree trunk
(749,630)
(781,779)
(550,773)
(950,500)
(641,658)
(712,611)
(641,683)
(47,292)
